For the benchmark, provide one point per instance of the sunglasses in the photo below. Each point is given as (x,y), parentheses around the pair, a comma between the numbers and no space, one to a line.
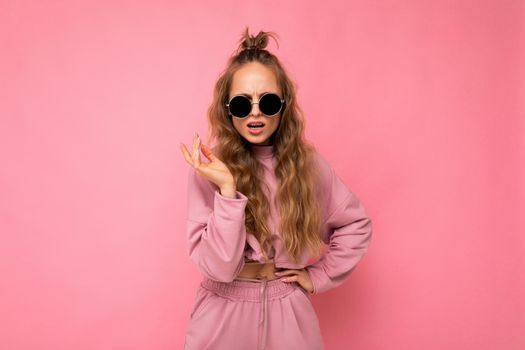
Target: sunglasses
(269,104)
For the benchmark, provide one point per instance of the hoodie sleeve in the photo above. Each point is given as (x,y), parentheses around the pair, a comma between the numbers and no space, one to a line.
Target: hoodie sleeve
(216,232)
(347,230)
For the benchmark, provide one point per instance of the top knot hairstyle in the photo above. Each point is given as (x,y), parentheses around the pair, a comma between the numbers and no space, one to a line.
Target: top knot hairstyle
(258,42)
(295,170)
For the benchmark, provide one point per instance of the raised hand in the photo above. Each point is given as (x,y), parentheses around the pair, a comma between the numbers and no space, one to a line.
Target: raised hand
(215,171)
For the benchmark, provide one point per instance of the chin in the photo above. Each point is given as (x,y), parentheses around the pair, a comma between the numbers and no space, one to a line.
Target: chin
(255,139)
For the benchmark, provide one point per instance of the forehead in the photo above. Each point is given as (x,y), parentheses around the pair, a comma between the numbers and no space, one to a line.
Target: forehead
(254,78)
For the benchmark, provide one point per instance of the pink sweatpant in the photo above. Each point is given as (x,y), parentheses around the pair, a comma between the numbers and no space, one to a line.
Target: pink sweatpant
(252,314)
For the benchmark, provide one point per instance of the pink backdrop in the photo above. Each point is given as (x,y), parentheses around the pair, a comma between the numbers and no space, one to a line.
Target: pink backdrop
(418,105)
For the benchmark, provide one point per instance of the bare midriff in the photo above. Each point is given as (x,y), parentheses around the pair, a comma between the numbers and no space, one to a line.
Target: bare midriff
(256,269)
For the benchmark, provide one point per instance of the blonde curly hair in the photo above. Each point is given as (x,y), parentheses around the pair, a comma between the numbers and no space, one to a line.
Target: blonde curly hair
(295,170)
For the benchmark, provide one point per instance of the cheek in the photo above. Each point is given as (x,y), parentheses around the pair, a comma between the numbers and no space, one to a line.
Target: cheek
(275,123)
(237,125)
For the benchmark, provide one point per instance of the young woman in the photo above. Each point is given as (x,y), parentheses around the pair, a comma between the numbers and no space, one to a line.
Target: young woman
(260,212)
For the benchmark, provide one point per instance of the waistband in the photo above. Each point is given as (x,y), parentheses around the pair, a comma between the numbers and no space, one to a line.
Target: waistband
(248,289)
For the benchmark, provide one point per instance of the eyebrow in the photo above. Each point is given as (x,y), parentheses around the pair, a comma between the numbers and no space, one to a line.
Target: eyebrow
(248,95)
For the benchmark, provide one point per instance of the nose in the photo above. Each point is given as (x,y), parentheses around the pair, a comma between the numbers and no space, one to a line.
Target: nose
(255,109)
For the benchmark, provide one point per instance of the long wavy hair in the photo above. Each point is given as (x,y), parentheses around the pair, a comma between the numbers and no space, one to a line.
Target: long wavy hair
(295,170)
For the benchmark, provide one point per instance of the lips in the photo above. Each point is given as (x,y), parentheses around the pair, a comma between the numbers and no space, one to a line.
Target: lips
(255,124)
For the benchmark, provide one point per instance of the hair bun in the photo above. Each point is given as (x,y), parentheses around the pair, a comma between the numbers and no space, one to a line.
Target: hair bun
(258,42)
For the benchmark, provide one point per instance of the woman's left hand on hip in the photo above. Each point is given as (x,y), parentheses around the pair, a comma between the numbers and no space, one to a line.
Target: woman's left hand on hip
(300,276)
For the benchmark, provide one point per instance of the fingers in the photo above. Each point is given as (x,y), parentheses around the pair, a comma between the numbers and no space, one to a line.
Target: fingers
(286,272)
(196,152)
(207,153)
(299,275)
(193,159)
(186,154)
(294,278)
(289,275)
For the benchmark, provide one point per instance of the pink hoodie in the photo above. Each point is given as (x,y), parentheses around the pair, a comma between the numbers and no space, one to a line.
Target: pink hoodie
(218,242)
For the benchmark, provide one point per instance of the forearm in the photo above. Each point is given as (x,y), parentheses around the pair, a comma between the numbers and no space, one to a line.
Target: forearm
(216,244)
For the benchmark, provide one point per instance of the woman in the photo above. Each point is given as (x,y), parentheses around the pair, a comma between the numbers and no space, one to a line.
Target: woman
(260,212)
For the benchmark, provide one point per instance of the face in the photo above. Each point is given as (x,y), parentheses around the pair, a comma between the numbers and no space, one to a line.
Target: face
(255,79)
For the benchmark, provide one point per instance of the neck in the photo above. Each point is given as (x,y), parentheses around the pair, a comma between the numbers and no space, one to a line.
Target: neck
(262,151)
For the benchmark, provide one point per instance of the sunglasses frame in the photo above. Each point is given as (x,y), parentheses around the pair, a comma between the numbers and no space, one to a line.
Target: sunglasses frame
(253,103)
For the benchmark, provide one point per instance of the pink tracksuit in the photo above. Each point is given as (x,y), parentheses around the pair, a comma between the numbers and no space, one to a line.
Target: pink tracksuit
(233,313)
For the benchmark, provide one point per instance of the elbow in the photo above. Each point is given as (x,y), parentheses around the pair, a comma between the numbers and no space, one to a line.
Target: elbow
(368,228)
(364,226)
(368,232)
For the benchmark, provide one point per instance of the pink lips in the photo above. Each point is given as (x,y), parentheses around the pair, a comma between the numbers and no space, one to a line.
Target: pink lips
(256,131)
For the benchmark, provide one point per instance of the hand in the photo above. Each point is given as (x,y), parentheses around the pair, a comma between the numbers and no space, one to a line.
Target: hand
(300,276)
(215,171)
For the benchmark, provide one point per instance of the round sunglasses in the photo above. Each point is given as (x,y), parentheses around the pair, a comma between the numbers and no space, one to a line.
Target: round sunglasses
(269,103)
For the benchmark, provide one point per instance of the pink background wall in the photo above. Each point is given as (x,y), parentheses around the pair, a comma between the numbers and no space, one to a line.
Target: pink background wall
(418,105)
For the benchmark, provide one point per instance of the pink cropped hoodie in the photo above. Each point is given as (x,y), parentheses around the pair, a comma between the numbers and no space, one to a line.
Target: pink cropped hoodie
(218,243)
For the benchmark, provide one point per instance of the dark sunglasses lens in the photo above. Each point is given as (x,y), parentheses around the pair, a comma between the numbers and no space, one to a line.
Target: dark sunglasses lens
(270,104)
(240,106)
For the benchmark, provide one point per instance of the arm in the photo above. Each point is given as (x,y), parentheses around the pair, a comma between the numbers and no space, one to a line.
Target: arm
(216,232)
(347,230)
